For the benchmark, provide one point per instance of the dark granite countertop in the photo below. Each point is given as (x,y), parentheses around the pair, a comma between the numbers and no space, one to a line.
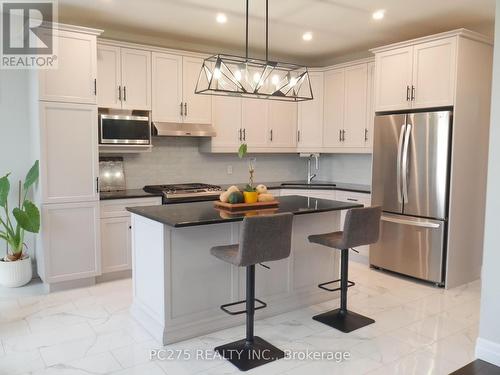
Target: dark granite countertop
(204,213)
(126,194)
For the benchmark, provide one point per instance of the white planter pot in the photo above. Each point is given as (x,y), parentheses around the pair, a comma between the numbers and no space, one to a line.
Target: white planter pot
(16,274)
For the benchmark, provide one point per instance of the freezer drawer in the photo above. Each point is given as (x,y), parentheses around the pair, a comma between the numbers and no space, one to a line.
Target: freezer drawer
(410,246)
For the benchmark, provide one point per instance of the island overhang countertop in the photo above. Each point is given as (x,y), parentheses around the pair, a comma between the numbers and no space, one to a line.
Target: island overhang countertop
(204,213)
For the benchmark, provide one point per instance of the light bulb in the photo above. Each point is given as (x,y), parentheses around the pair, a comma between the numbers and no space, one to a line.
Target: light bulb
(275,80)
(378,15)
(256,77)
(293,81)
(307,36)
(237,75)
(217,73)
(221,18)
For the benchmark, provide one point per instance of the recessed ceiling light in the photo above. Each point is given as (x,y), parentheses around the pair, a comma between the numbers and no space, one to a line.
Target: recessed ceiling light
(307,36)
(379,14)
(221,18)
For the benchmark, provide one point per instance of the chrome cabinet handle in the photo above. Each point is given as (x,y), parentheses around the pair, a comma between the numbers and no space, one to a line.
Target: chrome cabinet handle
(240,132)
(298,136)
(245,134)
(182,114)
(95,86)
(408,93)
(405,163)
(423,224)
(398,166)
(124,93)
(119,93)
(340,135)
(185,109)
(366,135)
(271,134)
(413,93)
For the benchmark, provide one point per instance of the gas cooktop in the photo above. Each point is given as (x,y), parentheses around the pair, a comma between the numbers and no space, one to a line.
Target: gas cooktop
(191,192)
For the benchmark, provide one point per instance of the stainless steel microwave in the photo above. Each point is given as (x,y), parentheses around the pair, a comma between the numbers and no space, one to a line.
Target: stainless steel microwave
(124,130)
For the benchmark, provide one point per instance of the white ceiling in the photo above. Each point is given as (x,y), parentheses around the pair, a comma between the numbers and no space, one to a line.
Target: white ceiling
(339,27)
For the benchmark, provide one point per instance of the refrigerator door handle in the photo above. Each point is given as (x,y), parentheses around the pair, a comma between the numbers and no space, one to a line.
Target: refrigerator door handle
(398,172)
(405,163)
(423,224)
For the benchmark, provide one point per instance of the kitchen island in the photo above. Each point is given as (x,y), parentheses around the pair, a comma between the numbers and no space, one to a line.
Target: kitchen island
(179,286)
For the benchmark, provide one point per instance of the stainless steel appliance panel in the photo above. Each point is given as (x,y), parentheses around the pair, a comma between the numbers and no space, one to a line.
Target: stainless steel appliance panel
(425,164)
(411,246)
(124,130)
(387,150)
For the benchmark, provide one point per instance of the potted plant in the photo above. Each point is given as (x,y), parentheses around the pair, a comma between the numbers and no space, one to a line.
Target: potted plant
(250,193)
(15,267)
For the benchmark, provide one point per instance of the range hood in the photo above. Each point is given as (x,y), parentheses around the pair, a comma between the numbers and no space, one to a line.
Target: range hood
(170,129)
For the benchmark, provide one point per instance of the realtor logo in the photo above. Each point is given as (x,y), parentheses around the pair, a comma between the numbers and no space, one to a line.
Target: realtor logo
(27,34)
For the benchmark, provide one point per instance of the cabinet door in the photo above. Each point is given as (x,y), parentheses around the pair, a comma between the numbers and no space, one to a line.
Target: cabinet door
(254,120)
(334,108)
(74,79)
(310,122)
(115,244)
(198,108)
(167,88)
(108,77)
(434,72)
(70,238)
(355,96)
(282,124)
(370,111)
(393,77)
(136,79)
(227,122)
(69,152)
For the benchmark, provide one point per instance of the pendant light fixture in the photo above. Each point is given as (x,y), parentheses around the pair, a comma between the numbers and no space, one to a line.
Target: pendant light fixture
(228,75)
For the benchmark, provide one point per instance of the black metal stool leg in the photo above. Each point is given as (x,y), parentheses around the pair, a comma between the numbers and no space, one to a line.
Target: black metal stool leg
(343,319)
(252,351)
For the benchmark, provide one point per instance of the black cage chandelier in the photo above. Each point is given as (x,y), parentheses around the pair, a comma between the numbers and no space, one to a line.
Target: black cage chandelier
(228,75)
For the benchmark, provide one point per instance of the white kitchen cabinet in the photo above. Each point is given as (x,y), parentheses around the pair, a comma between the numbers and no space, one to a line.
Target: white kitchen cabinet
(197,108)
(421,75)
(70,239)
(434,72)
(74,79)
(393,76)
(355,105)
(311,193)
(334,105)
(167,88)
(124,80)
(255,118)
(69,152)
(109,76)
(136,79)
(227,122)
(370,111)
(116,234)
(115,244)
(310,117)
(282,125)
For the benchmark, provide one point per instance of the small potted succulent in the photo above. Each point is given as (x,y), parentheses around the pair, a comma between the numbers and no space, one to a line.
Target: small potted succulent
(250,194)
(15,267)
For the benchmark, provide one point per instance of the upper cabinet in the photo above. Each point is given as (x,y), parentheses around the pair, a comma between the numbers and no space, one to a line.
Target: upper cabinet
(174,83)
(416,76)
(282,124)
(227,122)
(370,106)
(74,79)
(310,117)
(123,78)
(334,108)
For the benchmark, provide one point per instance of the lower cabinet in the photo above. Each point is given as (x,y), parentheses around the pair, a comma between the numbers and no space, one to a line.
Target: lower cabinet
(70,242)
(312,193)
(116,249)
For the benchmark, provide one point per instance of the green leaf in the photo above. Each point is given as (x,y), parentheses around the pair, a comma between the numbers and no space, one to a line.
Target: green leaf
(242,151)
(250,188)
(4,190)
(31,176)
(28,218)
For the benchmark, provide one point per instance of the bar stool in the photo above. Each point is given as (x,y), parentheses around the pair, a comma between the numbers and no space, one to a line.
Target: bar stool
(262,239)
(361,227)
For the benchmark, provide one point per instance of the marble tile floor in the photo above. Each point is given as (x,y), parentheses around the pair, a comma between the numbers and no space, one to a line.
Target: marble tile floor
(419,329)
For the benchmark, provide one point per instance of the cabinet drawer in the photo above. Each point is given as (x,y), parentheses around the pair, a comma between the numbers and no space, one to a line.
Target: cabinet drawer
(348,196)
(118,207)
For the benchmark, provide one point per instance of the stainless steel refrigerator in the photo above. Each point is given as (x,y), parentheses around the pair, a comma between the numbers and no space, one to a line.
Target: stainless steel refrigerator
(411,161)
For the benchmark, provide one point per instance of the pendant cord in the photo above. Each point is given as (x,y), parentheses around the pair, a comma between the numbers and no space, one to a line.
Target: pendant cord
(246,53)
(267,30)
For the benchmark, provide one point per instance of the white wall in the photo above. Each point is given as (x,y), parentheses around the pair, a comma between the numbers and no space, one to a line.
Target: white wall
(488,344)
(16,151)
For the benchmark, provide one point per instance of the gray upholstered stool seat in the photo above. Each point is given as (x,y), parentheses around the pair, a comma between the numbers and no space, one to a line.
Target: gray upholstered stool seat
(262,239)
(361,227)
(226,253)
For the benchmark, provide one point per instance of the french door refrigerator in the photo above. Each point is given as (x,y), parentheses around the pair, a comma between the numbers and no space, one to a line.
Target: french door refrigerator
(411,157)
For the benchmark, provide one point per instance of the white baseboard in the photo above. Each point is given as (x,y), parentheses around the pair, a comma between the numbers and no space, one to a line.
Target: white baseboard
(488,351)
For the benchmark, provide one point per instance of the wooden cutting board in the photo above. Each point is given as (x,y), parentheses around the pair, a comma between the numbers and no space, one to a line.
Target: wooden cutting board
(245,206)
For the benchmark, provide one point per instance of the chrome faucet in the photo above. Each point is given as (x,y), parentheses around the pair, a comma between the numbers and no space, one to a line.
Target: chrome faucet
(310,175)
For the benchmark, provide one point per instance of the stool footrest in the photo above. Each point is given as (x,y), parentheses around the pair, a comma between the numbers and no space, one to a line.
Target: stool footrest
(227,311)
(323,285)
